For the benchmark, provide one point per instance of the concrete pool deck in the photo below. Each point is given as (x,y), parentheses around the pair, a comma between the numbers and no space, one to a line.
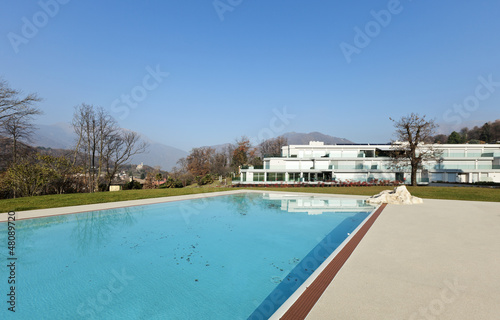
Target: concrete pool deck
(436,260)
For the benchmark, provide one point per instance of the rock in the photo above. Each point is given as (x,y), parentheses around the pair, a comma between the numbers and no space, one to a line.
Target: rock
(400,195)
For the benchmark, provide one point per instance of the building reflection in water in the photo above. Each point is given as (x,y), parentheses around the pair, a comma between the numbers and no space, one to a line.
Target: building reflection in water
(317,204)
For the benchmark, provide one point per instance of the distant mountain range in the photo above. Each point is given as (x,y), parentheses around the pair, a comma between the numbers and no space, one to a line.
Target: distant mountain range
(304,138)
(55,136)
(62,136)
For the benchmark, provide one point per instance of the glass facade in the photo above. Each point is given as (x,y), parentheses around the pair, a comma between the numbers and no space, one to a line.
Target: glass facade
(258,176)
(275,176)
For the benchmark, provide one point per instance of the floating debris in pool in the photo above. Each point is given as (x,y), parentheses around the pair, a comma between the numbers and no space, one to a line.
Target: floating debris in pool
(275,280)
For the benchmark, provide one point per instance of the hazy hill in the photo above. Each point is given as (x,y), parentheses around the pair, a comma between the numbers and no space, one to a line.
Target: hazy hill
(304,138)
(159,154)
(297,138)
(62,136)
(56,136)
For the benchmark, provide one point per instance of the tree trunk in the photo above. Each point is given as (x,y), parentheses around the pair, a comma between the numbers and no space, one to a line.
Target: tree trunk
(414,175)
(14,150)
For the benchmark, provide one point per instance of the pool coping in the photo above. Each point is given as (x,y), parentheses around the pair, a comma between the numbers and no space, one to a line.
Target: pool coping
(301,302)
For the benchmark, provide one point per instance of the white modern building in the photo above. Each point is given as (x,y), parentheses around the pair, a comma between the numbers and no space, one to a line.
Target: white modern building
(317,162)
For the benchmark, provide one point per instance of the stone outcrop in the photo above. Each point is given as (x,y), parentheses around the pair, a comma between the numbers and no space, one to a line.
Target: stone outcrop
(400,195)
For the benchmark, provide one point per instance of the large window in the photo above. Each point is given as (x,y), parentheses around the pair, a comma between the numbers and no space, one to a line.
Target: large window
(258,176)
(275,176)
(294,176)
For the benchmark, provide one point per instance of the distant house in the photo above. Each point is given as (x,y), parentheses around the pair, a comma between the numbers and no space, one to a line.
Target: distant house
(141,181)
(159,182)
(140,166)
(317,162)
(117,185)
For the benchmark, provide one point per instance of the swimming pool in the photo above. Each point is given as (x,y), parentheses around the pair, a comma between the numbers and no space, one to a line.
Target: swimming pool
(226,257)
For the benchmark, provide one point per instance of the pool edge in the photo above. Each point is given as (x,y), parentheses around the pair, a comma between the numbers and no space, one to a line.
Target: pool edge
(302,302)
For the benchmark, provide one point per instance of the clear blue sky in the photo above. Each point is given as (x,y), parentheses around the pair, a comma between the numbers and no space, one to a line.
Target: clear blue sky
(228,78)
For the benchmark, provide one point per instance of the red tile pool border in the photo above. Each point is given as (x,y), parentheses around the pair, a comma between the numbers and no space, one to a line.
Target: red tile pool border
(304,304)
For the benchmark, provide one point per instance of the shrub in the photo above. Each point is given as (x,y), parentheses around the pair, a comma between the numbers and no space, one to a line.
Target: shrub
(172,183)
(487,183)
(206,179)
(132,185)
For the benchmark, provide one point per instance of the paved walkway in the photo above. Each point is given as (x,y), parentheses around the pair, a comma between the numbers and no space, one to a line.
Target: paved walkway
(437,260)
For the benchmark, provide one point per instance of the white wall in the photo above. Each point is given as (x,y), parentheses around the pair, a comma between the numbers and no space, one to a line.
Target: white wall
(292,165)
(495,177)
(349,154)
(322,164)
(306,165)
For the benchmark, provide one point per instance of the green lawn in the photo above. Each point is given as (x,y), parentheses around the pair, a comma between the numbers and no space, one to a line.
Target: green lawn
(75,199)
(54,201)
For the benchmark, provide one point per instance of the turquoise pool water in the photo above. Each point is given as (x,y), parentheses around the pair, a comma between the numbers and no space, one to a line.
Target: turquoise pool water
(226,257)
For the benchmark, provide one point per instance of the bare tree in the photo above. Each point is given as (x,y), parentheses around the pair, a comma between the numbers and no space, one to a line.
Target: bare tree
(228,151)
(182,173)
(18,128)
(16,116)
(13,106)
(103,145)
(121,146)
(199,160)
(219,164)
(440,138)
(412,134)
(272,147)
(85,123)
